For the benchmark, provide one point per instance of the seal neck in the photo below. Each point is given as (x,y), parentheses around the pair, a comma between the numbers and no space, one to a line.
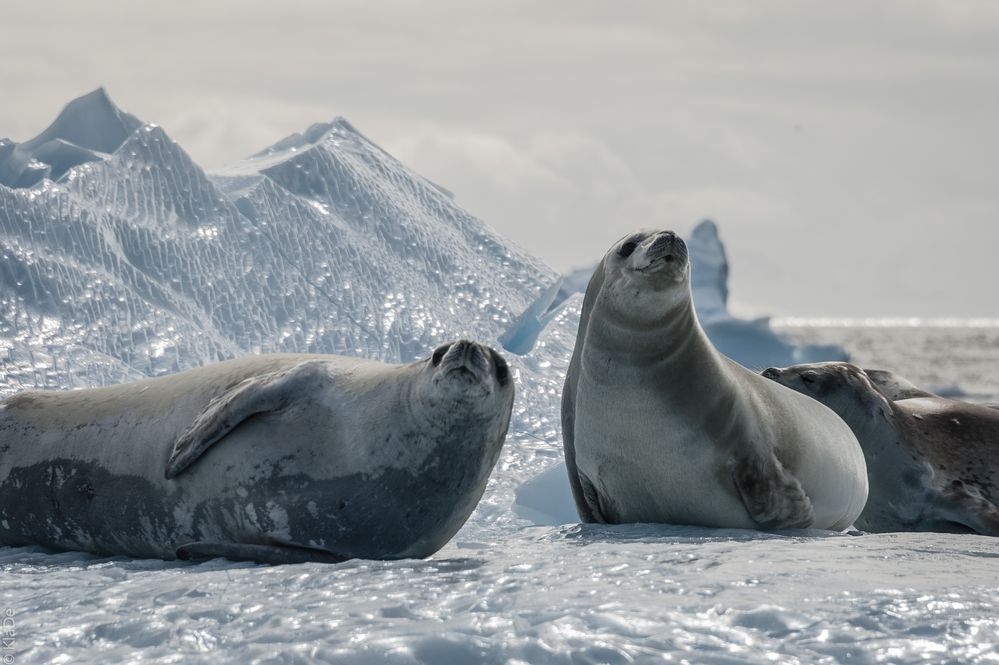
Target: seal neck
(618,349)
(877,429)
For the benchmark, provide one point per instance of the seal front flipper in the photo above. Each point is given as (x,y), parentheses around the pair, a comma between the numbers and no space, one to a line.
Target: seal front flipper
(260,394)
(594,504)
(963,504)
(773,497)
(276,554)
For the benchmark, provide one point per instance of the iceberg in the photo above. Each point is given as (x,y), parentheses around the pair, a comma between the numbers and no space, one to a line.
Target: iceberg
(123,258)
(709,273)
(89,129)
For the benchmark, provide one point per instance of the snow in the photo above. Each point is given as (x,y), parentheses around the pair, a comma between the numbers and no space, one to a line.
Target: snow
(139,263)
(565,595)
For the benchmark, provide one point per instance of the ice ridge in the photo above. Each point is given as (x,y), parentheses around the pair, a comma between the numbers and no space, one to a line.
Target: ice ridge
(88,129)
(140,263)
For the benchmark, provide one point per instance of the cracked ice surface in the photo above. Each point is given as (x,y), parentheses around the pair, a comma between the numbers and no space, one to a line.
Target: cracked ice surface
(564,595)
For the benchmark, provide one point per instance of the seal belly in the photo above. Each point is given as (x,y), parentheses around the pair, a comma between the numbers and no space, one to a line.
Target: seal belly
(819,449)
(70,504)
(649,468)
(76,476)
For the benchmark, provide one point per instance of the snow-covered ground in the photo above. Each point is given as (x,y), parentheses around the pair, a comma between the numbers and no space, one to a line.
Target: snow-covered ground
(135,262)
(529,595)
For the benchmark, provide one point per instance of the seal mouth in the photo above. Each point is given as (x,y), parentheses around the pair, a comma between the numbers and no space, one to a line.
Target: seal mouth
(657,264)
(462,371)
(464,382)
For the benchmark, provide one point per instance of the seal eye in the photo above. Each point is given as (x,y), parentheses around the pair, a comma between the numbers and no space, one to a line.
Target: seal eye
(810,376)
(439,352)
(627,249)
(502,369)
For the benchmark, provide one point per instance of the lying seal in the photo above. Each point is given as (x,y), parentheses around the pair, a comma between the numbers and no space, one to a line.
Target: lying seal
(893,386)
(275,458)
(659,426)
(896,387)
(933,463)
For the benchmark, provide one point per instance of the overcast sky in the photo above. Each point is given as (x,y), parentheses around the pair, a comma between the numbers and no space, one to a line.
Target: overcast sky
(848,151)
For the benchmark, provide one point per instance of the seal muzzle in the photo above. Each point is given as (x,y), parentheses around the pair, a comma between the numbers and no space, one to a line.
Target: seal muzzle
(667,246)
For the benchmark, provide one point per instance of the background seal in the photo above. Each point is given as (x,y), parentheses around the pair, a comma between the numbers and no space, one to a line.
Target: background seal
(933,463)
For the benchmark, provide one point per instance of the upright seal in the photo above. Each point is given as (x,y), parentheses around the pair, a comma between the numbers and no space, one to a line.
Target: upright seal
(933,463)
(659,426)
(274,458)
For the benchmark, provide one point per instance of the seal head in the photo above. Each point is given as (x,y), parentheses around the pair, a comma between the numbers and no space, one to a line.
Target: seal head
(644,276)
(842,386)
(466,370)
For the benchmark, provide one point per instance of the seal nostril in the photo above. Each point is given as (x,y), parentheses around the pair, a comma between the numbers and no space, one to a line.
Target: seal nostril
(658,244)
(669,258)
(438,354)
(771,373)
(476,357)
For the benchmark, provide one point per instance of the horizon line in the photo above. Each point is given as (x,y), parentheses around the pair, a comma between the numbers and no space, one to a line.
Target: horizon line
(883,322)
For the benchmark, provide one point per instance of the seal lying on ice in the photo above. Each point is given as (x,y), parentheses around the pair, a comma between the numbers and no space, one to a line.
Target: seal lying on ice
(659,426)
(274,458)
(896,387)
(933,463)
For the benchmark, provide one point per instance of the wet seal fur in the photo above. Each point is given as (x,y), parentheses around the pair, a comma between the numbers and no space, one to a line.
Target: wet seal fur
(658,426)
(933,463)
(275,458)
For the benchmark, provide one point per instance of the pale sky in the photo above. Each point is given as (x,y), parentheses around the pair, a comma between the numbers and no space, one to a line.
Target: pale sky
(848,151)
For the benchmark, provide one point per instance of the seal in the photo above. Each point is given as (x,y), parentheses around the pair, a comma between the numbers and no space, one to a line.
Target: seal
(658,426)
(274,458)
(894,386)
(933,463)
